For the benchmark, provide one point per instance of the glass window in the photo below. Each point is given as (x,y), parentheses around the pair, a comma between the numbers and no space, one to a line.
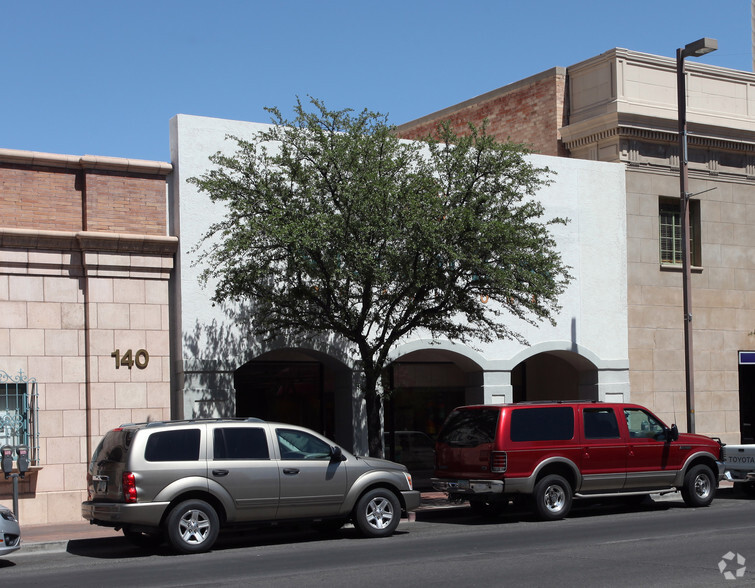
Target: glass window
(240,443)
(600,423)
(181,445)
(670,231)
(300,445)
(553,423)
(469,428)
(19,413)
(642,425)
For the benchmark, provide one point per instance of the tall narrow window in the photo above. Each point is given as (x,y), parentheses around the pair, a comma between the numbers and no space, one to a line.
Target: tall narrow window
(670,231)
(18,413)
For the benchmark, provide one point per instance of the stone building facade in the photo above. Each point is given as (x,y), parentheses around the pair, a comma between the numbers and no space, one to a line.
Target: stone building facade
(621,106)
(85,261)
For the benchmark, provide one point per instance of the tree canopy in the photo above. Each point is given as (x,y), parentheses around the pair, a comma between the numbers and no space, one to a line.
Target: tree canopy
(334,225)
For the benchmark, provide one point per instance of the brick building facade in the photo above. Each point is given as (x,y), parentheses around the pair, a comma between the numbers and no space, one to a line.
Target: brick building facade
(530,111)
(85,260)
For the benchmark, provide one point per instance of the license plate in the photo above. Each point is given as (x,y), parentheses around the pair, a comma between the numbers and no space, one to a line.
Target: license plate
(463,484)
(100,484)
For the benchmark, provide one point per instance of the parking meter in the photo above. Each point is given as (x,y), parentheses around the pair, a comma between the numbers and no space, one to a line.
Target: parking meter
(6,460)
(22,451)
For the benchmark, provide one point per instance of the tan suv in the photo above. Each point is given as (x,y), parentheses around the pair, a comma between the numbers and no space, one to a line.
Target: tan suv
(556,451)
(184,480)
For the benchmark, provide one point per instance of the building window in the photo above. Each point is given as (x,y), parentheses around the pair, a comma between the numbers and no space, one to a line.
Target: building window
(18,413)
(670,231)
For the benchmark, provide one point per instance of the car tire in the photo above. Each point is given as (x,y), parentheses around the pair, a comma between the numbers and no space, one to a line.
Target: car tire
(192,526)
(488,508)
(377,513)
(552,497)
(143,540)
(699,486)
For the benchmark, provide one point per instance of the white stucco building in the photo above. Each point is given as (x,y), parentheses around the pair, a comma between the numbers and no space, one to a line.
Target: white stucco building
(221,370)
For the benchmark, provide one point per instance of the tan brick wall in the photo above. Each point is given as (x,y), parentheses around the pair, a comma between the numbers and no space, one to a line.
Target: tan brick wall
(723,304)
(76,285)
(43,333)
(530,113)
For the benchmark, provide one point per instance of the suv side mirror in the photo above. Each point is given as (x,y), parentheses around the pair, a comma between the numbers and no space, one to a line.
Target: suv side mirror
(336,454)
(672,433)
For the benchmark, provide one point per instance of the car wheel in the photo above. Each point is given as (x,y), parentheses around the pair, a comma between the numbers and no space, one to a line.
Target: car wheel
(699,486)
(488,508)
(192,526)
(552,498)
(377,513)
(143,540)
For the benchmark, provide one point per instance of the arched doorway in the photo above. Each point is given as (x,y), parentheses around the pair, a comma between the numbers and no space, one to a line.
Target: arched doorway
(555,375)
(300,387)
(423,387)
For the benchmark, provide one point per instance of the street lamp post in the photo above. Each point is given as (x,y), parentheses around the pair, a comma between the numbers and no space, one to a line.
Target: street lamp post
(696,49)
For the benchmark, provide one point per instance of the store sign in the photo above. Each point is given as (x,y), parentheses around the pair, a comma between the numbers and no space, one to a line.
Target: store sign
(747,358)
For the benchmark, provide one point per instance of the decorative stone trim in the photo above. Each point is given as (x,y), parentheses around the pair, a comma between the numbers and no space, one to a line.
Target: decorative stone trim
(134,166)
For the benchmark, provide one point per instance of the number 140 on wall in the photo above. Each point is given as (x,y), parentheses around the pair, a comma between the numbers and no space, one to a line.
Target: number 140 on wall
(140,359)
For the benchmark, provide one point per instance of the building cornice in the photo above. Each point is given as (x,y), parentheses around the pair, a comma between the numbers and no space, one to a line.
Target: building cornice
(89,162)
(87,241)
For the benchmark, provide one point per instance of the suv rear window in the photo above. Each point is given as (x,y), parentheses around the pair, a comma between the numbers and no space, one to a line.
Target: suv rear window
(114,446)
(469,428)
(551,423)
(182,445)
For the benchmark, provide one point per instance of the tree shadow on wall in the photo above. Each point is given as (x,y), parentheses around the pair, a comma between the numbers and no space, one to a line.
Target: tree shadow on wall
(212,352)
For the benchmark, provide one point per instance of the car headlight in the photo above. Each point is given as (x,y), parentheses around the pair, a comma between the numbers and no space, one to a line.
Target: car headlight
(8,515)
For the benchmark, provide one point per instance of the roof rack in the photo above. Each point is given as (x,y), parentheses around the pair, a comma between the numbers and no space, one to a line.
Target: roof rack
(199,420)
(582,401)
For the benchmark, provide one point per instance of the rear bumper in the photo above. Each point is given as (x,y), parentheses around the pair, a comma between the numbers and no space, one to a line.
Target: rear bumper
(453,486)
(110,514)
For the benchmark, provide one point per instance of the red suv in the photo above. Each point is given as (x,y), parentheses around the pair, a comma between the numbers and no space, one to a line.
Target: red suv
(556,451)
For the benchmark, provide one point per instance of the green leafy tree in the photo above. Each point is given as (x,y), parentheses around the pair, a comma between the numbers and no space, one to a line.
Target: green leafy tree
(335,226)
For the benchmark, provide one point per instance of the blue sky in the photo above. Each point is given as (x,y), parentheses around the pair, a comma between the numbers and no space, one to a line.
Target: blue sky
(104,78)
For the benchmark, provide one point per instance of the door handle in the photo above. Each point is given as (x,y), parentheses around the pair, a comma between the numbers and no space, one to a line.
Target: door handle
(290,471)
(220,473)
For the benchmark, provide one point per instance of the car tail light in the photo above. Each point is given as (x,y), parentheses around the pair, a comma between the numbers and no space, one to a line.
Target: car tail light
(129,487)
(498,461)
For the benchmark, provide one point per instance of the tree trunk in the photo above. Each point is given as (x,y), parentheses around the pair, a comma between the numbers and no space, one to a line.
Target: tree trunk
(374,404)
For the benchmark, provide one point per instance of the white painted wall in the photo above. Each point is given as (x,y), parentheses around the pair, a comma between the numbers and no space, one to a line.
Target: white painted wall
(593,319)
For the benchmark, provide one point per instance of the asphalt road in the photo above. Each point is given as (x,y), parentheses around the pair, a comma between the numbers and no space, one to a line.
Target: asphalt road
(659,543)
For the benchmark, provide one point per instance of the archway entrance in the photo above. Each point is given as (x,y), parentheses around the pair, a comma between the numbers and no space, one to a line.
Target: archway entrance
(424,386)
(555,375)
(298,387)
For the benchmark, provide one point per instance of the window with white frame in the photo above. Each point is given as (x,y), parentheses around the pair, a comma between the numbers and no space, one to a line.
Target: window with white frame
(18,413)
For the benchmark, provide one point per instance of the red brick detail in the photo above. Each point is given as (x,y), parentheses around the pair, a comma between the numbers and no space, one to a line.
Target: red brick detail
(120,203)
(50,198)
(39,198)
(531,114)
